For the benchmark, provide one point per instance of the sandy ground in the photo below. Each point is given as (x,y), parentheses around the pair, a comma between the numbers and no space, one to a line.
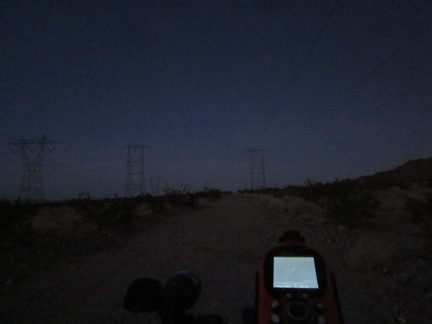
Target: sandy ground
(383,273)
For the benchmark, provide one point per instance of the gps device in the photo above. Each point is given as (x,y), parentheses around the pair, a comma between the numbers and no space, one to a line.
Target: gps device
(295,285)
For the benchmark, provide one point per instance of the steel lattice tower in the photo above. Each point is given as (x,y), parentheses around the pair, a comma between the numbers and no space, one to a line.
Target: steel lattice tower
(135,174)
(257,168)
(31,186)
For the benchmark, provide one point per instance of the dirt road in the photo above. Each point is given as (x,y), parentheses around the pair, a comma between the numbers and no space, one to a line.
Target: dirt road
(222,242)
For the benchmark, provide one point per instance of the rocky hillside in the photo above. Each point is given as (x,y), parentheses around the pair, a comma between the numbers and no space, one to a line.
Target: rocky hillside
(414,170)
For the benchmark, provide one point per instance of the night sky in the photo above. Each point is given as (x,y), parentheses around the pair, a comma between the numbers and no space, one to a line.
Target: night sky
(333,89)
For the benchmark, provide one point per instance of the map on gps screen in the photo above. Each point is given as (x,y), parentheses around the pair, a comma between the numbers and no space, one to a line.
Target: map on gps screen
(294,272)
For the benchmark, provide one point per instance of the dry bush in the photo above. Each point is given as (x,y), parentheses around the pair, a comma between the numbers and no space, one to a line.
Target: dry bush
(115,215)
(144,209)
(371,251)
(60,219)
(374,250)
(300,209)
(395,197)
(262,198)
(421,213)
(392,199)
(348,209)
(346,201)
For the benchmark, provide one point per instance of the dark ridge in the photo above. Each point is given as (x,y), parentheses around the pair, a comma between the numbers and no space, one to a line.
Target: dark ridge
(413,170)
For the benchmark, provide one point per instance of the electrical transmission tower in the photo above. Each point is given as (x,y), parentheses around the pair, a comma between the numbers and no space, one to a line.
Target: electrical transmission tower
(135,175)
(31,187)
(257,168)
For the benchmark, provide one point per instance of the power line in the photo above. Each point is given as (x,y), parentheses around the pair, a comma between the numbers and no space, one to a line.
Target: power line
(386,33)
(402,94)
(94,174)
(376,108)
(71,165)
(279,104)
(388,58)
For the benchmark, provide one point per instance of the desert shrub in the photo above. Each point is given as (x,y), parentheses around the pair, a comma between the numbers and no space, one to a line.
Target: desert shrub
(319,192)
(385,185)
(180,198)
(171,197)
(273,191)
(314,190)
(420,209)
(290,190)
(156,203)
(16,235)
(13,217)
(114,214)
(345,200)
(210,193)
(428,184)
(421,213)
(347,208)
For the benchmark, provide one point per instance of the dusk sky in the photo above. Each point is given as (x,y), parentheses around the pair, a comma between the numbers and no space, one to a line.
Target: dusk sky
(332,88)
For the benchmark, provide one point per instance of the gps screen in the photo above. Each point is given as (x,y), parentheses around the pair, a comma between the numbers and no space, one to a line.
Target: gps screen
(294,272)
